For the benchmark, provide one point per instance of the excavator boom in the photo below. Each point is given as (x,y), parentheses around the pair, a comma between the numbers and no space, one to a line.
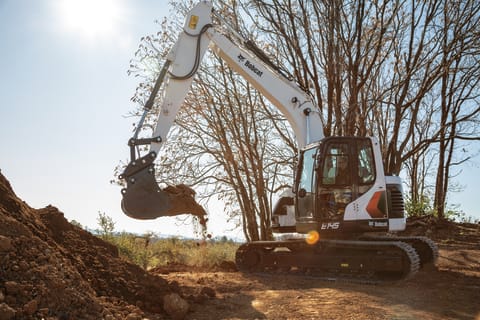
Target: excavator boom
(142,197)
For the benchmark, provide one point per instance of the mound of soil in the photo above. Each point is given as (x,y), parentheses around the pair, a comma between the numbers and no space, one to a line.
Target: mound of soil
(51,269)
(444,231)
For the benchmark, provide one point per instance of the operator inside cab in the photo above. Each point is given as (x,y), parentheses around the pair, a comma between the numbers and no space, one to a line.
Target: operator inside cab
(348,172)
(336,193)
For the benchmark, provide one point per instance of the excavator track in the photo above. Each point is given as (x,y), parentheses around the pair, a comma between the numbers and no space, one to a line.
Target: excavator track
(426,249)
(357,261)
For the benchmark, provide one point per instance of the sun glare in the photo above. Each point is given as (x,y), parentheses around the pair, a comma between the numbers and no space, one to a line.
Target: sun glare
(312,237)
(90,18)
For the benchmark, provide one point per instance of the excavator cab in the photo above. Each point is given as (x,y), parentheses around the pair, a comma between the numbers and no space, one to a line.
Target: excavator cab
(340,185)
(348,171)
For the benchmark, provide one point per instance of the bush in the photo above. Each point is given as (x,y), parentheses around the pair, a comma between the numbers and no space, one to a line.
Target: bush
(419,208)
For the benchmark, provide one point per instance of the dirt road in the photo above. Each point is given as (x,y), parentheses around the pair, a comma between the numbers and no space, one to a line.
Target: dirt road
(450,292)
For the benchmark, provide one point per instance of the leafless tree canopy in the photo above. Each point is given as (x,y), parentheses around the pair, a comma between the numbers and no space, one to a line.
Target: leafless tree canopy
(404,71)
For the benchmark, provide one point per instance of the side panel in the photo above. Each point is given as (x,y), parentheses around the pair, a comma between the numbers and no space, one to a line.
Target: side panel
(373,203)
(396,207)
(283,215)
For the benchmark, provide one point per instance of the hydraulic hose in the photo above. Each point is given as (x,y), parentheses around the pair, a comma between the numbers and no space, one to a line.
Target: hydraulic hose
(197,55)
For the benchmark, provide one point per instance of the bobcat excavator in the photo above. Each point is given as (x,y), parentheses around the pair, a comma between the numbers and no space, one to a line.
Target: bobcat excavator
(341,201)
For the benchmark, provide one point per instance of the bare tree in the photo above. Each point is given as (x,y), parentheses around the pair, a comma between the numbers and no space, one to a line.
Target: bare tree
(228,142)
(459,87)
(404,71)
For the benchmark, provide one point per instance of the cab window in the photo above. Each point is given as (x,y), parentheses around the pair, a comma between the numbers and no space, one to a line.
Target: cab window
(335,165)
(307,174)
(366,164)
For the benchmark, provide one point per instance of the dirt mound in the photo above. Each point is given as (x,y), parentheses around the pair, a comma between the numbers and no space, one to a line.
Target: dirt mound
(52,269)
(444,231)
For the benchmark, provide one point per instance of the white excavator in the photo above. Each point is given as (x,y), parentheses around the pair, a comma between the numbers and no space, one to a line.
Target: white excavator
(341,201)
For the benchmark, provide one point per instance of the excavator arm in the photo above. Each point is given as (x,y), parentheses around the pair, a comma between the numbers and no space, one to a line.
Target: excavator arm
(142,197)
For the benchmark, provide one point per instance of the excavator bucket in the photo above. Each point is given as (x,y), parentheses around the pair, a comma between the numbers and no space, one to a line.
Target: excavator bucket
(144,199)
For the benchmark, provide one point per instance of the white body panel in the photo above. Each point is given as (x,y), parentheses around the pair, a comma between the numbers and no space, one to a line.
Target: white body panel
(288,220)
(357,209)
(397,224)
(182,57)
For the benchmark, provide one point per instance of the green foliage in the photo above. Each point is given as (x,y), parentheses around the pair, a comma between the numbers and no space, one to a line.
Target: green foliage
(424,207)
(454,213)
(106,225)
(147,251)
(421,207)
(133,248)
(211,254)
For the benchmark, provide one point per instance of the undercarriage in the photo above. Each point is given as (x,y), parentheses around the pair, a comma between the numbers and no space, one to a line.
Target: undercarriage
(371,259)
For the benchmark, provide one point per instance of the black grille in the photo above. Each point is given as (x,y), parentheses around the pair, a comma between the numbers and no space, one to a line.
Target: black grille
(396,205)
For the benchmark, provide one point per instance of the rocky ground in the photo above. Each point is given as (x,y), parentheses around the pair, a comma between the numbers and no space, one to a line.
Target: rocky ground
(50,269)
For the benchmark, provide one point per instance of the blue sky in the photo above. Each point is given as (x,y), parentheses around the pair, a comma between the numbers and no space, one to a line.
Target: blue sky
(64,92)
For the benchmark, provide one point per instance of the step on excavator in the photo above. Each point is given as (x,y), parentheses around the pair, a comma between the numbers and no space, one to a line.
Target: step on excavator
(340,219)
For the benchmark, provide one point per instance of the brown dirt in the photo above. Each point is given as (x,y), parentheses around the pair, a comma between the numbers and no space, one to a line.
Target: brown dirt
(50,269)
(182,199)
(451,290)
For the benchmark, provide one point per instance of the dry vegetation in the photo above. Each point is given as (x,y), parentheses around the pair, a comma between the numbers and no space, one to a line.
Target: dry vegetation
(150,252)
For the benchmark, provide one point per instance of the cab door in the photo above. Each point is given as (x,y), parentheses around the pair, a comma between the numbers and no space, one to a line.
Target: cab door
(337,185)
(306,185)
(348,171)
